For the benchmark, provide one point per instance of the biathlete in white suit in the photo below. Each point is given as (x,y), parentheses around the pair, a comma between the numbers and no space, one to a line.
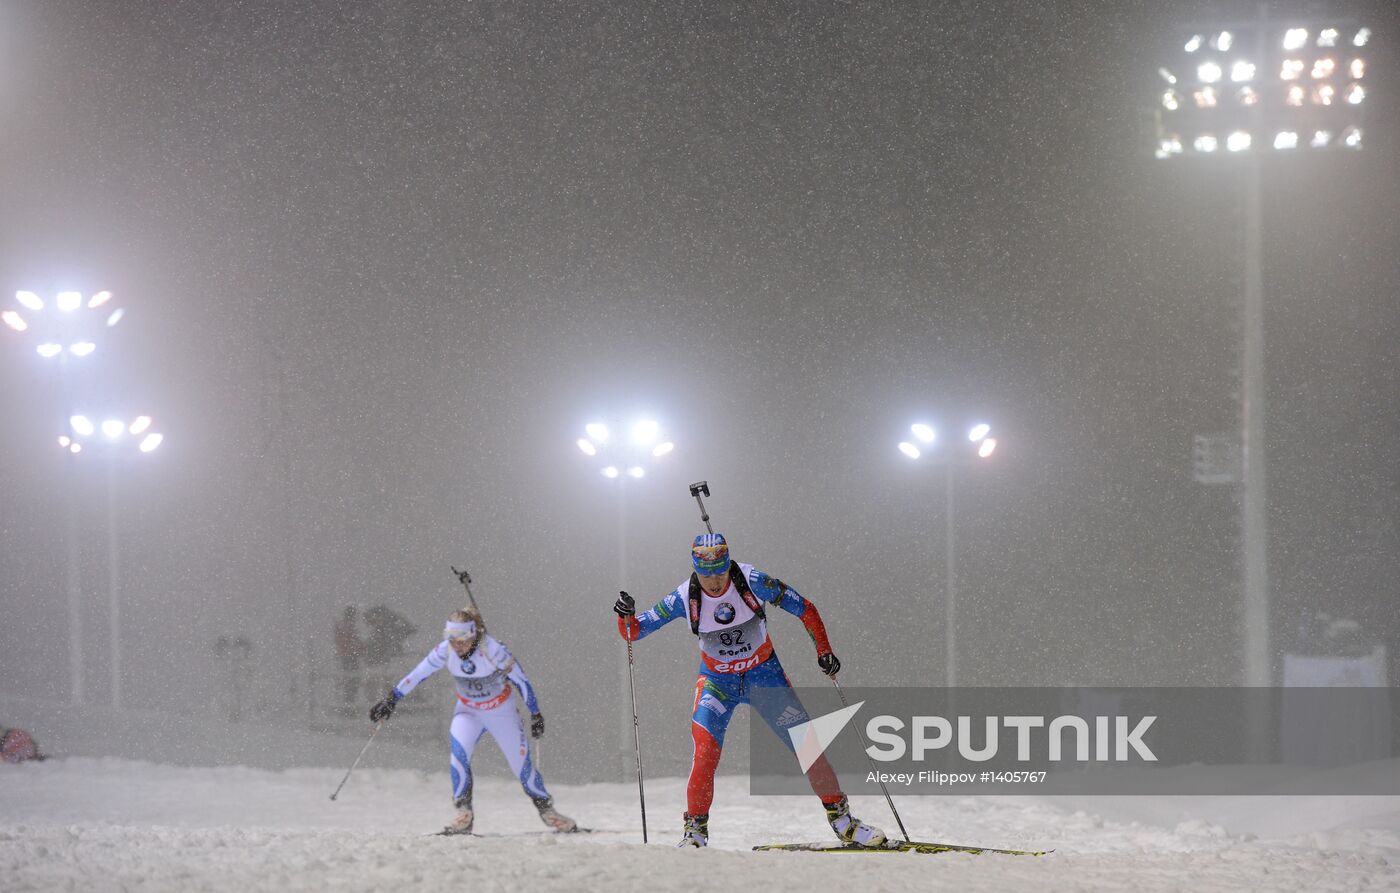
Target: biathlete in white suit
(484,672)
(724,602)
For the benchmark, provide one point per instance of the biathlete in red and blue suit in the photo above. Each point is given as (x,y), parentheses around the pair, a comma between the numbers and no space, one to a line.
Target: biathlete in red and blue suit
(724,601)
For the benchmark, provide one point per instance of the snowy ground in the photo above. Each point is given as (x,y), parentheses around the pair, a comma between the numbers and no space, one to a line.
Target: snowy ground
(96,824)
(100,819)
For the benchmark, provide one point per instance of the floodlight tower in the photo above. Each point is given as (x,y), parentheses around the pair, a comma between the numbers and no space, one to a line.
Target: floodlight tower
(1238,91)
(114,437)
(623,453)
(66,328)
(980,444)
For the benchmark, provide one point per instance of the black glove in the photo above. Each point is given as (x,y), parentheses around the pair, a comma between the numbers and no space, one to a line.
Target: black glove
(536,725)
(384,708)
(829,664)
(625,606)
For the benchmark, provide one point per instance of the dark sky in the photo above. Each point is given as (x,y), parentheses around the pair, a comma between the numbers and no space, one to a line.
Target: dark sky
(383,261)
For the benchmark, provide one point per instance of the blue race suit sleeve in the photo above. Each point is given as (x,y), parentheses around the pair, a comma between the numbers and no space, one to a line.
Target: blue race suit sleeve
(648,622)
(776,592)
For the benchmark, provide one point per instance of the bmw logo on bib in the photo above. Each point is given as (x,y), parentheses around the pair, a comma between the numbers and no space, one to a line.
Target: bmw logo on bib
(468,667)
(724,613)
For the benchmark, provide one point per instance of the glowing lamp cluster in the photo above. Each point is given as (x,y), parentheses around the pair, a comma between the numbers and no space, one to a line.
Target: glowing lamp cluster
(979,435)
(1298,88)
(110,432)
(624,456)
(64,322)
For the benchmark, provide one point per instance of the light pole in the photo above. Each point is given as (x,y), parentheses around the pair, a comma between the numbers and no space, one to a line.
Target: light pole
(114,437)
(1252,88)
(66,328)
(622,455)
(982,445)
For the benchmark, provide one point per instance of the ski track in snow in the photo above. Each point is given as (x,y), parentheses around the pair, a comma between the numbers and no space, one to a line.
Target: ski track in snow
(99,824)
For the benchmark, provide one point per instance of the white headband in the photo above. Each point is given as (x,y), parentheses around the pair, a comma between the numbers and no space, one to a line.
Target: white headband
(459,629)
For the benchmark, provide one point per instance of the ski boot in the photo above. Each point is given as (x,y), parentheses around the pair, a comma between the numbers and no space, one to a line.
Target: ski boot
(553,817)
(849,828)
(697,831)
(465,817)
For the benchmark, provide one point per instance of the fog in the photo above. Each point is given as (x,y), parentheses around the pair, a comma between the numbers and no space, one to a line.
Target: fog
(381,264)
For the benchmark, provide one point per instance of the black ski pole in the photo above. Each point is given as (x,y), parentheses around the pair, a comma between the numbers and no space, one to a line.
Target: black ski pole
(636,735)
(865,747)
(695,490)
(377,726)
(466,580)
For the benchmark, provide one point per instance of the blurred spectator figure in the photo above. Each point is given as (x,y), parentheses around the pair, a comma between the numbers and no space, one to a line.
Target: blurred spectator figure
(239,674)
(16,746)
(388,630)
(349,648)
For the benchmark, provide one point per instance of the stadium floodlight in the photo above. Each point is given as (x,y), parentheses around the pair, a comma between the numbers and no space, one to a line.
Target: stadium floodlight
(626,457)
(64,440)
(1170,101)
(49,350)
(115,317)
(82,348)
(75,448)
(644,432)
(1167,75)
(1300,95)
(139,425)
(151,441)
(99,299)
(113,428)
(953,457)
(82,424)
(68,301)
(1194,43)
(1223,41)
(1168,146)
(30,300)
(14,320)
(923,432)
